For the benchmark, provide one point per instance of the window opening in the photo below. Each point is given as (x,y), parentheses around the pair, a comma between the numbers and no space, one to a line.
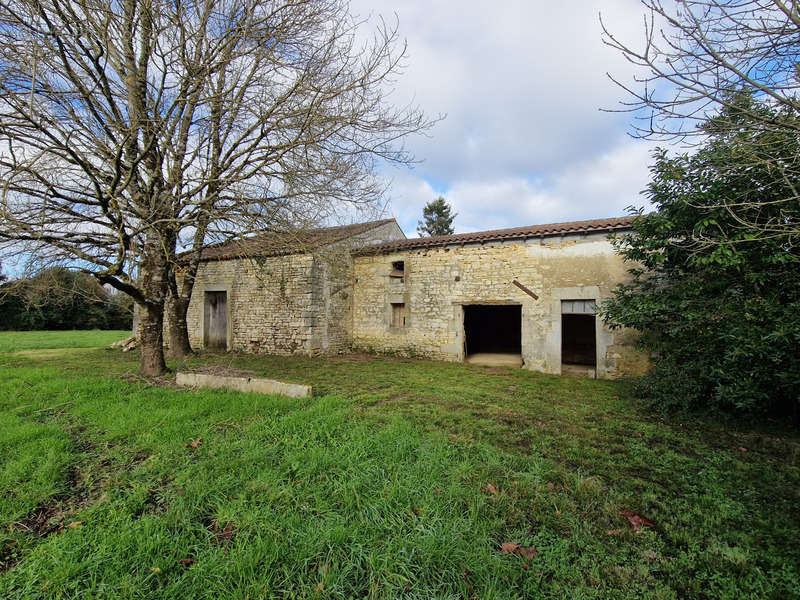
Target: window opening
(398,269)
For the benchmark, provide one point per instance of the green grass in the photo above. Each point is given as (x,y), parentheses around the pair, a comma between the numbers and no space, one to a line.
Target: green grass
(376,486)
(11,341)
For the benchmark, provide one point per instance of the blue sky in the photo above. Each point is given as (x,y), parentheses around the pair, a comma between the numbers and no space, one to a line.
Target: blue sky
(522,84)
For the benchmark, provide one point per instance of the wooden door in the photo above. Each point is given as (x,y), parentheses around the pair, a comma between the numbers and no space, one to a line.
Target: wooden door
(216,321)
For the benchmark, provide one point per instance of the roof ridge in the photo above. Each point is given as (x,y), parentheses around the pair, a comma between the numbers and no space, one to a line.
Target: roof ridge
(604,224)
(278,243)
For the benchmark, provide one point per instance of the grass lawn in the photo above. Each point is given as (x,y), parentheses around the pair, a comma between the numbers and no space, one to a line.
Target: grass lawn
(12,341)
(398,479)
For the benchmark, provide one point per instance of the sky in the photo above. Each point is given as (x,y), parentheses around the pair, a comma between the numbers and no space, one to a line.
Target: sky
(521,84)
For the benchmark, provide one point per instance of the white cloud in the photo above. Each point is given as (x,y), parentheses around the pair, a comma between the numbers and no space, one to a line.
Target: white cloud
(522,84)
(600,186)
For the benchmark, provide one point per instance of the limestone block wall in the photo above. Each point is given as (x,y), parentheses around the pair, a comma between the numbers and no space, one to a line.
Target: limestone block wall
(269,303)
(438,282)
(296,304)
(332,291)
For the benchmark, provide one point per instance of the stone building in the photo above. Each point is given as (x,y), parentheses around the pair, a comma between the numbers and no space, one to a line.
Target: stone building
(523,296)
(281,293)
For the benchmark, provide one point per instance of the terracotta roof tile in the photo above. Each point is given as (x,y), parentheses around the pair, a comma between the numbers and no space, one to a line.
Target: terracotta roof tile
(594,225)
(284,243)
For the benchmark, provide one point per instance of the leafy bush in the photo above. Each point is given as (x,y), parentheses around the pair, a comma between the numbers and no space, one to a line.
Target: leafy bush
(715,295)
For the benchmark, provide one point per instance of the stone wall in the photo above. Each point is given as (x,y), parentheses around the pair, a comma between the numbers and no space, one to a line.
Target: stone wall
(438,282)
(269,303)
(296,304)
(332,292)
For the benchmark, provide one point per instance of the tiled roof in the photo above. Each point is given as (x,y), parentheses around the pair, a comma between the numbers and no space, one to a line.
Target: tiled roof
(284,243)
(594,225)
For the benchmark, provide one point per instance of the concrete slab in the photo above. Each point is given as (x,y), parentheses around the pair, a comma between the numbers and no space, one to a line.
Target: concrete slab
(494,359)
(258,385)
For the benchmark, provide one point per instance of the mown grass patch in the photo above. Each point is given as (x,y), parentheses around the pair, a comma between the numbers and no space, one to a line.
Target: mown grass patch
(398,479)
(12,341)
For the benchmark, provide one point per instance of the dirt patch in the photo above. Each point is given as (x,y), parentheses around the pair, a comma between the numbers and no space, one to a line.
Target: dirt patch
(43,521)
(222,371)
(9,555)
(221,532)
(167,381)
(85,486)
(54,516)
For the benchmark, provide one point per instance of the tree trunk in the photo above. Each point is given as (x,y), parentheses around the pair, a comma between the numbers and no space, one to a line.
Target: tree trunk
(151,340)
(176,324)
(154,273)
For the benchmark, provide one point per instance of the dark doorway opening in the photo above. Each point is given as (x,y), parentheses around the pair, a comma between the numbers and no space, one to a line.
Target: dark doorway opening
(216,321)
(578,343)
(493,329)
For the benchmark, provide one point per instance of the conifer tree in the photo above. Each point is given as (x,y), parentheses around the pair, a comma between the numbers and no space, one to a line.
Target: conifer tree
(437,218)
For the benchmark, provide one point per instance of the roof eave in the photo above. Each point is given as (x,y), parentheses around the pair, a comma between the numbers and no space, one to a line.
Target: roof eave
(400,247)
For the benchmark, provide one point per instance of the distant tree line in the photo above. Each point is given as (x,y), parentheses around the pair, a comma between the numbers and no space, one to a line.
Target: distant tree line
(60,299)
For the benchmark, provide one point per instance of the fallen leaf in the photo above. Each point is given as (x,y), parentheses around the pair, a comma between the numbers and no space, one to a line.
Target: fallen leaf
(75,524)
(614,532)
(529,552)
(635,520)
(492,489)
(508,547)
(417,510)
(180,492)
(222,535)
(195,443)
(551,486)
(155,569)
(320,587)
(437,490)
(187,562)
(742,449)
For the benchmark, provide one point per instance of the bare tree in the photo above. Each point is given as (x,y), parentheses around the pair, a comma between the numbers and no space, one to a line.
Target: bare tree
(697,59)
(131,129)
